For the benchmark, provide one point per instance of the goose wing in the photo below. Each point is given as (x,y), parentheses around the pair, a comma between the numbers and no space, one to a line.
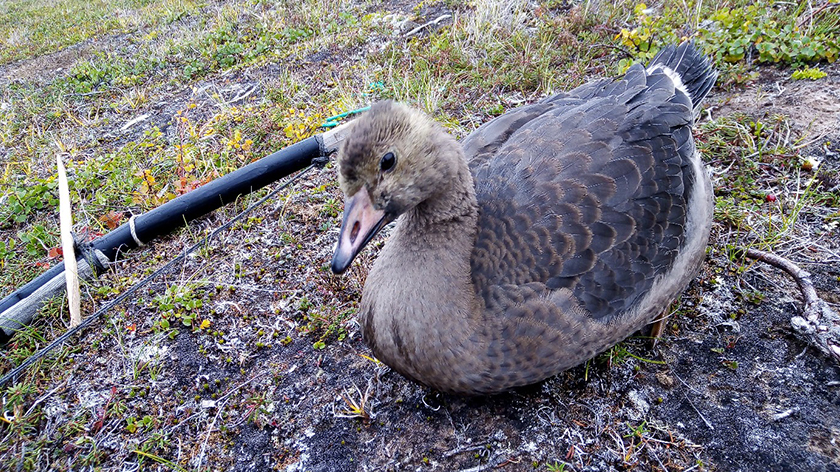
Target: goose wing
(585,192)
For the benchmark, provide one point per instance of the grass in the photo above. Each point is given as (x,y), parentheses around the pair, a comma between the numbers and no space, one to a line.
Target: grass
(37,27)
(187,66)
(765,183)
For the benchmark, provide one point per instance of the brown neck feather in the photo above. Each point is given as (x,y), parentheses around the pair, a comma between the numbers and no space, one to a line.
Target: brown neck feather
(454,205)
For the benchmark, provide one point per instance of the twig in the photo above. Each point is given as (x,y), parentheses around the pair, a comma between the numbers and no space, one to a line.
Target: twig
(707,422)
(489,465)
(427,24)
(819,324)
(810,17)
(239,97)
(356,408)
(463,449)
(22,456)
(42,398)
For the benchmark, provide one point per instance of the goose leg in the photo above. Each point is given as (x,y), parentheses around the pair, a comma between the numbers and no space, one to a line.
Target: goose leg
(657,327)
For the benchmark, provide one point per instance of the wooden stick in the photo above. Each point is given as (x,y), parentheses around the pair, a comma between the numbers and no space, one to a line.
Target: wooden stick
(71,270)
(818,324)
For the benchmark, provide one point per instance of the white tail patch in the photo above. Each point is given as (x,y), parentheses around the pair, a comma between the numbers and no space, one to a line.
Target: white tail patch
(675,78)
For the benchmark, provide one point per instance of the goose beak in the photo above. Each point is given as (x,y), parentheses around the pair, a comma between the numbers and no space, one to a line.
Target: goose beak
(361,223)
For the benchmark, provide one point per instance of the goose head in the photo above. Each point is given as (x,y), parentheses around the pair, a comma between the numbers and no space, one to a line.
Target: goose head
(393,160)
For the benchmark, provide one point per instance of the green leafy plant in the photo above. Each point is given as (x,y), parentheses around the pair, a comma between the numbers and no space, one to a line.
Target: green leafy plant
(24,201)
(38,239)
(645,40)
(132,424)
(730,35)
(179,302)
(809,73)
(555,466)
(733,33)
(324,322)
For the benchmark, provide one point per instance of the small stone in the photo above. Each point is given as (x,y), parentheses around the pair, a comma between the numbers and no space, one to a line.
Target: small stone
(783,414)
(665,379)
(639,403)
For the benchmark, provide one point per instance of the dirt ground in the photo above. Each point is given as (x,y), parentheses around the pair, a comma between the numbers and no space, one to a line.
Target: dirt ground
(730,387)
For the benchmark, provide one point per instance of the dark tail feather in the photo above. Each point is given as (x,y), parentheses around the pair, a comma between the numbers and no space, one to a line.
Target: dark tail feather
(694,69)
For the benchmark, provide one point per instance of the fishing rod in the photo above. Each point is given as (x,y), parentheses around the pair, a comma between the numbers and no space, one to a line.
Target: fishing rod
(18,308)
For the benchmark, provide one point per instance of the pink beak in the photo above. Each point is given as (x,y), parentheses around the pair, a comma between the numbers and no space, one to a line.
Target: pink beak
(361,223)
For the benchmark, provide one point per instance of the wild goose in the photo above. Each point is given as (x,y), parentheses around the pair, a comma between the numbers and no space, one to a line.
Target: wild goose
(548,235)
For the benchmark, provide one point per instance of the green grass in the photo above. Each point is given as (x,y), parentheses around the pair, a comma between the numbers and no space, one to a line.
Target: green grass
(767,183)
(31,28)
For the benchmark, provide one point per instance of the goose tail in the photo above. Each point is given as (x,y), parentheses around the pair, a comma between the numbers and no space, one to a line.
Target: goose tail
(691,72)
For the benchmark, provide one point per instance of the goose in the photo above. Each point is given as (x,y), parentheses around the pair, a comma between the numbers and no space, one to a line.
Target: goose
(546,236)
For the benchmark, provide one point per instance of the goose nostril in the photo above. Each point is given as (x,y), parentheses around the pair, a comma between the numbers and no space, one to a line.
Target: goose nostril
(354,232)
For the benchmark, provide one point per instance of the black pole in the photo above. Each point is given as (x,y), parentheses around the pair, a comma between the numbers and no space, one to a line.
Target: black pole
(226,189)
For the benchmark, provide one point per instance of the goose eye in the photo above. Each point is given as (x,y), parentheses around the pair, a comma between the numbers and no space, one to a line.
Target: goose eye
(388,161)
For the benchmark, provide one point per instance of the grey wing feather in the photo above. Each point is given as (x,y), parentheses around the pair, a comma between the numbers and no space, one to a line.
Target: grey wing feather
(583,192)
